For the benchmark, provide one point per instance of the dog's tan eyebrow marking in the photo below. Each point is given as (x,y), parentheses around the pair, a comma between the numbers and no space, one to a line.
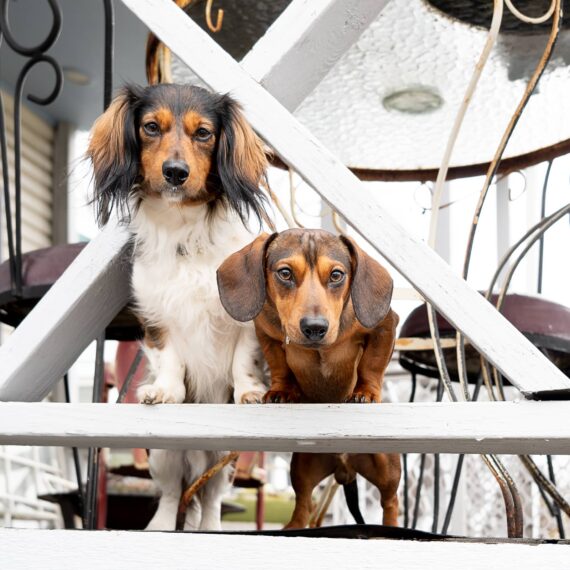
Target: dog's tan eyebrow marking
(193,120)
(326,263)
(295,261)
(162,116)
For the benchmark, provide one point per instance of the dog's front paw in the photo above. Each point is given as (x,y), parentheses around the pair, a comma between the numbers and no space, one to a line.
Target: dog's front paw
(363,397)
(282,397)
(156,394)
(252,397)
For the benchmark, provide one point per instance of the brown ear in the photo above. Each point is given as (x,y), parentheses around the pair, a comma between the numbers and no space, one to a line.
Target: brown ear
(113,150)
(371,289)
(241,161)
(241,280)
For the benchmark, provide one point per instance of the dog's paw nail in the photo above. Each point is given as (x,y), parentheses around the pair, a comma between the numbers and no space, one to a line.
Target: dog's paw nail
(253,397)
(152,394)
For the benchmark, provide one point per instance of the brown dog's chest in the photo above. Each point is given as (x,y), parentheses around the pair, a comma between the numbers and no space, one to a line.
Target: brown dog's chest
(325,376)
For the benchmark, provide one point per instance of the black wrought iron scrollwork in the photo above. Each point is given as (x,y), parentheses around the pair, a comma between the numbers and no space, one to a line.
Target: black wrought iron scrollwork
(41,47)
(36,55)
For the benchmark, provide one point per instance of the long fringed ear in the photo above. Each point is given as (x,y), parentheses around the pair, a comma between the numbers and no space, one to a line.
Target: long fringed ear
(371,288)
(241,162)
(114,152)
(241,279)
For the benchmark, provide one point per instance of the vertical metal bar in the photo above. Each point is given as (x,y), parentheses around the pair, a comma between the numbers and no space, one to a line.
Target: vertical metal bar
(556,508)
(260,504)
(405,460)
(458,469)
(419,490)
(436,470)
(130,375)
(90,515)
(75,451)
(542,215)
(109,51)
(7,203)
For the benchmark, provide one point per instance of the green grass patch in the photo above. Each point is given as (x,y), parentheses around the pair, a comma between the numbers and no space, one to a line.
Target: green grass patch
(278,508)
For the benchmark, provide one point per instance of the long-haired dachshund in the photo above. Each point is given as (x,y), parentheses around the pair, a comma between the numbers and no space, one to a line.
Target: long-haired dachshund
(184,167)
(323,318)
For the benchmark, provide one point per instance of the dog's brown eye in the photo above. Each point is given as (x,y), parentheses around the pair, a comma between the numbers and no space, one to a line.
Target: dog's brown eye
(203,134)
(336,276)
(285,274)
(151,128)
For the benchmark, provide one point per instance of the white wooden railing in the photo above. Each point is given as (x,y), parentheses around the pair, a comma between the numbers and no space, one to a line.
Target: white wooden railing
(306,40)
(66,320)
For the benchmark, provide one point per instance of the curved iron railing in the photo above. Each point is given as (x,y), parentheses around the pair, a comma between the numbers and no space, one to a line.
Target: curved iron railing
(36,54)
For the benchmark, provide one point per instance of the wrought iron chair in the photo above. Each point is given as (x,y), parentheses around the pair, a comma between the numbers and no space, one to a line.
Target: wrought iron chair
(544,323)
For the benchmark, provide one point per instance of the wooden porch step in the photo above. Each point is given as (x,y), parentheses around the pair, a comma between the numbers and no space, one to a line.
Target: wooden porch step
(136,550)
(484,427)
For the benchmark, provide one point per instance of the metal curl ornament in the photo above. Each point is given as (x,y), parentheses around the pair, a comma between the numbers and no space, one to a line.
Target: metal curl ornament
(43,46)
(26,71)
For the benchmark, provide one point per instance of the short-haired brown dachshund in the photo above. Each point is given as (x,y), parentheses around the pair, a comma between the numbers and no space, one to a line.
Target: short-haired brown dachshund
(322,315)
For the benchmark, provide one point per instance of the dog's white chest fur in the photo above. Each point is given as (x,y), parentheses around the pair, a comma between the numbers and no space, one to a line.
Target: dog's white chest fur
(177,252)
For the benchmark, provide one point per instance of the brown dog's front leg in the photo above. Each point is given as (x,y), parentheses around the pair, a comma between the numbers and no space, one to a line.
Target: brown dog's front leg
(375,359)
(284,388)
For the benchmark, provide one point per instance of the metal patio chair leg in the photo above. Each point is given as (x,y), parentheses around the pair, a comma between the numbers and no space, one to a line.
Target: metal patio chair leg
(90,513)
(75,451)
(405,459)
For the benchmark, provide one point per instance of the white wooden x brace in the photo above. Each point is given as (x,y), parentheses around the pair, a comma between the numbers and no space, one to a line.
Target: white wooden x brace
(87,296)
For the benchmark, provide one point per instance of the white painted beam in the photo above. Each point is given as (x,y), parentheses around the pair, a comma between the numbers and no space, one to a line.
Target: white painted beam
(24,549)
(490,427)
(61,333)
(488,331)
(305,42)
(74,311)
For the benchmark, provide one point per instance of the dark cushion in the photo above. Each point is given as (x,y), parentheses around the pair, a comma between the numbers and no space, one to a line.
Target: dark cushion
(544,323)
(41,268)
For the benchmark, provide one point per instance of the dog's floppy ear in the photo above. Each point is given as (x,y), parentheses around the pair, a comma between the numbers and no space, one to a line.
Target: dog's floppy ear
(114,152)
(241,280)
(371,288)
(241,161)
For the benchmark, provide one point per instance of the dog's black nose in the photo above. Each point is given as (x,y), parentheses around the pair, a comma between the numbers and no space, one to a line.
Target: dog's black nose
(175,172)
(314,328)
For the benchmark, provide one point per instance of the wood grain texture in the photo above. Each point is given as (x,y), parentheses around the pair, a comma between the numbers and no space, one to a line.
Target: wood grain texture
(72,313)
(55,549)
(487,330)
(524,427)
(305,42)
